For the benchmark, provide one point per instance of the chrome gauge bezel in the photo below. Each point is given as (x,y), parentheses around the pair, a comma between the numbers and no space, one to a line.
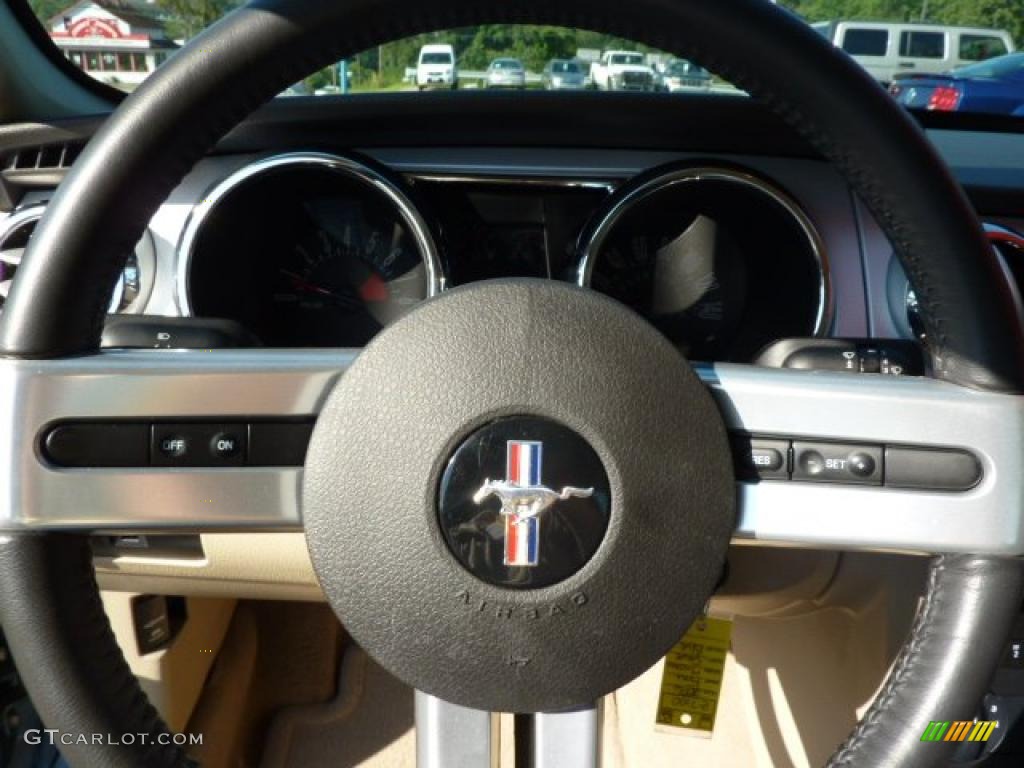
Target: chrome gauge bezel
(595,236)
(144,253)
(346,166)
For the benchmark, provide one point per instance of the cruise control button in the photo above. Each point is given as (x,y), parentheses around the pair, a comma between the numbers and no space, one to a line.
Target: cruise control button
(811,463)
(174,446)
(837,463)
(862,464)
(198,445)
(225,445)
(761,459)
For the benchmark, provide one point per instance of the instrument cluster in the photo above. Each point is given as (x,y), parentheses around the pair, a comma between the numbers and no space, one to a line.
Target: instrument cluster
(318,250)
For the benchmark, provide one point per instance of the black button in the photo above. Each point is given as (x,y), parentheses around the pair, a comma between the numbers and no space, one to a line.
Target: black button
(931,469)
(767,459)
(173,446)
(198,445)
(837,463)
(760,459)
(116,444)
(811,463)
(862,464)
(224,445)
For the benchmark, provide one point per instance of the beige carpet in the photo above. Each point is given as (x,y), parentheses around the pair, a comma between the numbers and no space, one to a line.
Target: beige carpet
(276,656)
(369,722)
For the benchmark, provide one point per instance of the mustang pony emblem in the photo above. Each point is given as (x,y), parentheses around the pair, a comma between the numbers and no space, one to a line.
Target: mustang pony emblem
(523,498)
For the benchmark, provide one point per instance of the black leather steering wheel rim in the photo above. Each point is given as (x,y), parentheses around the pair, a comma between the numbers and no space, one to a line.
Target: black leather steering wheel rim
(143,151)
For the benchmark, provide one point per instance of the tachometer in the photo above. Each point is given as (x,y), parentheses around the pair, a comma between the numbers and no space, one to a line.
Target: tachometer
(309,250)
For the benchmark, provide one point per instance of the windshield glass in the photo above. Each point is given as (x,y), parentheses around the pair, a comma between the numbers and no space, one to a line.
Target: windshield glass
(436,58)
(122,42)
(627,58)
(681,67)
(565,68)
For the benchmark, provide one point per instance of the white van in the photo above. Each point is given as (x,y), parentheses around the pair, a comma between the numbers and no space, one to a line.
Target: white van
(435,67)
(886,49)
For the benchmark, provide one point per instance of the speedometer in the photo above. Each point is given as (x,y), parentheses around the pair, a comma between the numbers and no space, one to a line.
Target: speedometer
(308,250)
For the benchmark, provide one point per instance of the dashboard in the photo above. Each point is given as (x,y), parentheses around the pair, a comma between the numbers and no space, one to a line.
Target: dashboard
(318,222)
(304,238)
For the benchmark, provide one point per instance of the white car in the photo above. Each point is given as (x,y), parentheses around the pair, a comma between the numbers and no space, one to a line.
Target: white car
(886,49)
(436,68)
(622,71)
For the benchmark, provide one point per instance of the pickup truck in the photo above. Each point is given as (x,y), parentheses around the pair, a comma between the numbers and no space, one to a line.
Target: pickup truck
(622,71)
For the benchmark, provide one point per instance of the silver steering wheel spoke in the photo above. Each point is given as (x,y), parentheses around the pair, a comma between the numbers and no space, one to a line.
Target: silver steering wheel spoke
(253,385)
(155,387)
(877,412)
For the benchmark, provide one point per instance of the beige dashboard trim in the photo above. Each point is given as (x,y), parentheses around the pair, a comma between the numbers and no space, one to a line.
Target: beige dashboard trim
(272,566)
(276,566)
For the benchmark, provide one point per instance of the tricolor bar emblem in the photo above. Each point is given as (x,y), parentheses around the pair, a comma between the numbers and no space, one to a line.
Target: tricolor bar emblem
(522,533)
(960,730)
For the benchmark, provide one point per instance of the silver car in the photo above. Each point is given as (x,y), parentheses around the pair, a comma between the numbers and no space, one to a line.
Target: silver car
(682,75)
(506,73)
(564,75)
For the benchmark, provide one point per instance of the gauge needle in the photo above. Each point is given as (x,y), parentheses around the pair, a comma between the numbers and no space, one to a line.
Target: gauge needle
(302,284)
(374,289)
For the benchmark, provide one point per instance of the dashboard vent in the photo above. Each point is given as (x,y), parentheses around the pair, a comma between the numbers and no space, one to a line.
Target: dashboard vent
(15,232)
(50,157)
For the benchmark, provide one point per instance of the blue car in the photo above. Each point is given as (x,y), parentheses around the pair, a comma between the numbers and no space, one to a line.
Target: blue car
(995,86)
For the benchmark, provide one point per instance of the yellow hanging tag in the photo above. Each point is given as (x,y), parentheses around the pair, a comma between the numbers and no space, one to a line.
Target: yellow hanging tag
(692,682)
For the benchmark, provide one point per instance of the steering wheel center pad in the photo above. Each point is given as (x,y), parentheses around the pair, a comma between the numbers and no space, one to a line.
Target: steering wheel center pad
(472,356)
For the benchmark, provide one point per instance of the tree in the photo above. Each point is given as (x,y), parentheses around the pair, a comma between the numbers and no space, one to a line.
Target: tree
(187,18)
(47,9)
(997,14)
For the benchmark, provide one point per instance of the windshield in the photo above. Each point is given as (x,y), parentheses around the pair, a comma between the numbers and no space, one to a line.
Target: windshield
(436,58)
(678,68)
(122,42)
(565,68)
(627,58)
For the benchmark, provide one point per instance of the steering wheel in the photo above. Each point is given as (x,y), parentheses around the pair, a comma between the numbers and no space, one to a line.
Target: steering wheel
(472,362)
